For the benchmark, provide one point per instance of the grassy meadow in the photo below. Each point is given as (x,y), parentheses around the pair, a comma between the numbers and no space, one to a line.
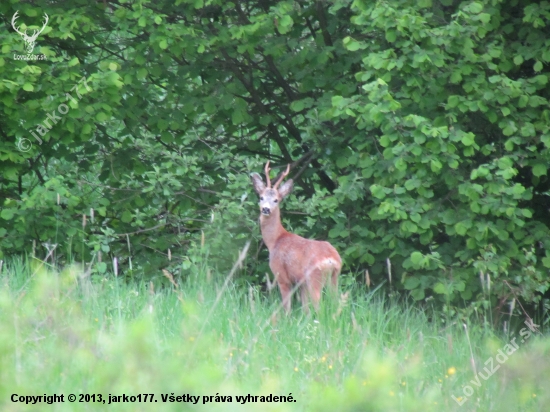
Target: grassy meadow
(66,332)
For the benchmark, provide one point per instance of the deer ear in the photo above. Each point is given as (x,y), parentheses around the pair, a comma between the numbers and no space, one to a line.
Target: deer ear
(286,188)
(258,183)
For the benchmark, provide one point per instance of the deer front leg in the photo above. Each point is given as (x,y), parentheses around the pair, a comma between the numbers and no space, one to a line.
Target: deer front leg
(285,289)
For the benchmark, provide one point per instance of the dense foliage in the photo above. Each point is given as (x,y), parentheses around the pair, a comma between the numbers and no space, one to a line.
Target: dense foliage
(418,132)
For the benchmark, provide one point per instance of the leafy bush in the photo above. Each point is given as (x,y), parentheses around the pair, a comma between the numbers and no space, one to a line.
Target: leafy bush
(419,135)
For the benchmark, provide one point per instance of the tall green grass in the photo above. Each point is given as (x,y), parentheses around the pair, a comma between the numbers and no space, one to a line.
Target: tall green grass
(62,332)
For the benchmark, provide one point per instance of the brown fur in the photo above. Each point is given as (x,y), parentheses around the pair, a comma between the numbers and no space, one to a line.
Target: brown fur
(293,259)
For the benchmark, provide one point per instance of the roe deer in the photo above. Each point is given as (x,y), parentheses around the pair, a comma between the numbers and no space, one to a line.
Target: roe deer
(293,259)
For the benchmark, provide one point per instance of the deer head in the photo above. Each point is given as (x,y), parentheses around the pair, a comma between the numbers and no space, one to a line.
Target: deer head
(270,197)
(29,40)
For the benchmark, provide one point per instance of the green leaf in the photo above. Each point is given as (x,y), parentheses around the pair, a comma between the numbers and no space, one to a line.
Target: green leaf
(452,101)
(237,117)
(297,105)
(541,79)
(435,165)
(400,164)
(518,60)
(7,214)
(163,44)
(456,76)
(412,184)
(86,128)
(101,117)
(391,36)
(415,217)
(384,141)
(412,282)
(126,216)
(537,66)
(518,189)
(418,294)
(28,87)
(523,100)
(536,101)
(528,130)
(351,44)
(440,288)
(378,191)
(508,130)
(416,258)
(408,227)
(336,100)
(285,24)
(539,169)
(485,18)
(475,8)
(461,228)
(342,162)
(468,139)
(141,73)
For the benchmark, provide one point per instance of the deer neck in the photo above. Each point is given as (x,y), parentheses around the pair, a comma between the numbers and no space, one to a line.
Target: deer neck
(271,228)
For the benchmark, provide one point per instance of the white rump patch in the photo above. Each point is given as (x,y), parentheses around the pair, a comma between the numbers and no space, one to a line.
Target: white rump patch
(326,262)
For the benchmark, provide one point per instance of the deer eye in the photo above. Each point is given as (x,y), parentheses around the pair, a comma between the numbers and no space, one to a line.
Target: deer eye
(276,200)
(262,198)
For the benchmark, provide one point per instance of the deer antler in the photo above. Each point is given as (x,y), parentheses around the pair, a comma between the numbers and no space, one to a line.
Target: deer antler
(46,18)
(285,174)
(15,16)
(36,32)
(267,174)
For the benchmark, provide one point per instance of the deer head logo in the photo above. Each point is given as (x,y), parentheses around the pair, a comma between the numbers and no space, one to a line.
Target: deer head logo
(29,40)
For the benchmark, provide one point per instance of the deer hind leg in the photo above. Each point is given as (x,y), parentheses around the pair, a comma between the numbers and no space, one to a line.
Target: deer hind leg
(334,279)
(315,281)
(304,297)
